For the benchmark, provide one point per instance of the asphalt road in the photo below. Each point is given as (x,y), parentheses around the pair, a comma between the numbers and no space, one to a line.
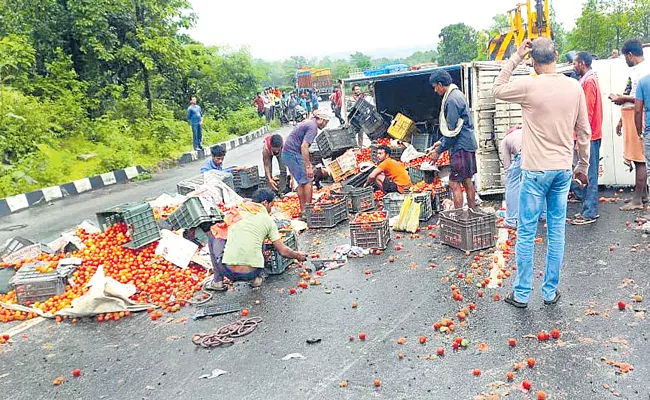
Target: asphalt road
(137,358)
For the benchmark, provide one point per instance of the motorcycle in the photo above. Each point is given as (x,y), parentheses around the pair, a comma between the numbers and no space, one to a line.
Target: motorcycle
(301,114)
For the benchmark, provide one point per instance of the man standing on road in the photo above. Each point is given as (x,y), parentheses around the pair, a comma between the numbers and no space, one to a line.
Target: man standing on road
(314,99)
(553,107)
(273,148)
(591,87)
(195,118)
(259,102)
(615,54)
(236,244)
(458,137)
(337,103)
(510,149)
(633,151)
(295,154)
(641,110)
(390,175)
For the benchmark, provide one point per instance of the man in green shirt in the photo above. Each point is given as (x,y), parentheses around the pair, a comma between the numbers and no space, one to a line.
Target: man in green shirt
(240,258)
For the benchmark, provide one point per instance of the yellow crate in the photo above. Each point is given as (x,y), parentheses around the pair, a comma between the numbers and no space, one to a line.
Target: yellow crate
(402,127)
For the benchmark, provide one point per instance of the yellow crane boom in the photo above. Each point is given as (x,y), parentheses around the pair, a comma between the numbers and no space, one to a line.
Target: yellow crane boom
(537,24)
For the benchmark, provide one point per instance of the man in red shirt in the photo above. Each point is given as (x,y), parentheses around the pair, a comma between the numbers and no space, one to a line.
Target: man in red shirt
(589,82)
(259,102)
(337,104)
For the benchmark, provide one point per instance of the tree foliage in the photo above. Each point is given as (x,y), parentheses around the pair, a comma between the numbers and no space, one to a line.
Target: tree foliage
(458,43)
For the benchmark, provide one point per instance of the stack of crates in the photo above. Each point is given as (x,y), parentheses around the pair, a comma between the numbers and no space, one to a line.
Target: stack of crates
(274,263)
(139,219)
(334,142)
(468,230)
(194,212)
(32,286)
(370,235)
(393,204)
(326,215)
(359,199)
(402,127)
(246,178)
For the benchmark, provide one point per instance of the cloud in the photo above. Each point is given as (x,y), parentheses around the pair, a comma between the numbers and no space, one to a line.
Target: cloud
(278,29)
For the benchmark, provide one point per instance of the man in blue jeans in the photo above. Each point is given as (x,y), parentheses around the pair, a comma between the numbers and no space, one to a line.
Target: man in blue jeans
(295,154)
(195,118)
(641,111)
(589,82)
(553,107)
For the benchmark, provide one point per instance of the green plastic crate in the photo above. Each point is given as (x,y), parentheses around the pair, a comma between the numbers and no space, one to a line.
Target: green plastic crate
(193,212)
(139,219)
(274,263)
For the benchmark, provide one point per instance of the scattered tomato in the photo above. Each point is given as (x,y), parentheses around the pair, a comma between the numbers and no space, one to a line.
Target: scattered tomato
(621,305)
(476,372)
(510,376)
(512,342)
(530,362)
(362,336)
(423,339)
(555,333)
(541,395)
(526,384)
(76,372)
(377,382)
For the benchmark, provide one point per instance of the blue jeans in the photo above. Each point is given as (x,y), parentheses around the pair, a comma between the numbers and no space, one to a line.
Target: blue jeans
(197,136)
(513,183)
(589,194)
(537,187)
(220,270)
(513,186)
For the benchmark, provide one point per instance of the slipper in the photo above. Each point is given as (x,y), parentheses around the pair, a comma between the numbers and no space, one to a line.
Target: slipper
(510,299)
(583,221)
(632,207)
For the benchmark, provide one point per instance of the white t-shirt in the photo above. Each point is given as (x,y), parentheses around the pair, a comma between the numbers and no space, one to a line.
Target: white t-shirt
(638,71)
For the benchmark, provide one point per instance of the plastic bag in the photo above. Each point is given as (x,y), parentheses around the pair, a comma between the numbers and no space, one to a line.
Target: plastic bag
(409,216)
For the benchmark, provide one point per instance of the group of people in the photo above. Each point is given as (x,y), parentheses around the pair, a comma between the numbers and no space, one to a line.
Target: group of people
(557,151)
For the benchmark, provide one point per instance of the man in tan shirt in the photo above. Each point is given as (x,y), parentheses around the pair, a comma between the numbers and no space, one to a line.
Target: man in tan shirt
(553,108)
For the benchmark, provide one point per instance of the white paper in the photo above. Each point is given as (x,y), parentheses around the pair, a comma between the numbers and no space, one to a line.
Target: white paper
(215,374)
(166,200)
(176,249)
(291,356)
(89,227)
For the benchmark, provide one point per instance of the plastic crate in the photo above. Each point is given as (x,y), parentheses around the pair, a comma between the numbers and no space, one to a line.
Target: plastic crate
(468,230)
(33,286)
(333,142)
(418,175)
(326,215)
(363,116)
(395,152)
(343,167)
(246,178)
(359,199)
(401,127)
(393,204)
(139,219)
(421,141)
(437,199)
(370,235)
(359,179)
(274,263)
(193,212)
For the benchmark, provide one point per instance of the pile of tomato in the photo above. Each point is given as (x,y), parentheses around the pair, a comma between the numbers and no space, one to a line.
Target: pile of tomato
(383,142)
(367,217)
(364,155)
(289,205)
(157,281)
(164,212)
(443,160)
(434,187)
(379,195)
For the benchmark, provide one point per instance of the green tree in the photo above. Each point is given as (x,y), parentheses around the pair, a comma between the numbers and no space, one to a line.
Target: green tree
(458,44)
(360,60)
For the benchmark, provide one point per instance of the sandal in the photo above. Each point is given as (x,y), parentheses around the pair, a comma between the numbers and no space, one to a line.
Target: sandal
(510,299)
(215,286)
(583,221)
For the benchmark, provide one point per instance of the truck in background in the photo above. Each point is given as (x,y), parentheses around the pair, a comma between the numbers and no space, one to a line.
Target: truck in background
(318,80)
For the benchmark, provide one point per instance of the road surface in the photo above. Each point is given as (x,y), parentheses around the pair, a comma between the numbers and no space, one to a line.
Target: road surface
(136,358)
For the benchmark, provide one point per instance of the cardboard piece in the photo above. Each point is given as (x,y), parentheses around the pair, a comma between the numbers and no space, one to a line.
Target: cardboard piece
(176,249)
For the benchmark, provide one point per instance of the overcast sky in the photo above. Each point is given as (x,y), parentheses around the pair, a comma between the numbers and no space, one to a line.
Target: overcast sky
(278,29)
